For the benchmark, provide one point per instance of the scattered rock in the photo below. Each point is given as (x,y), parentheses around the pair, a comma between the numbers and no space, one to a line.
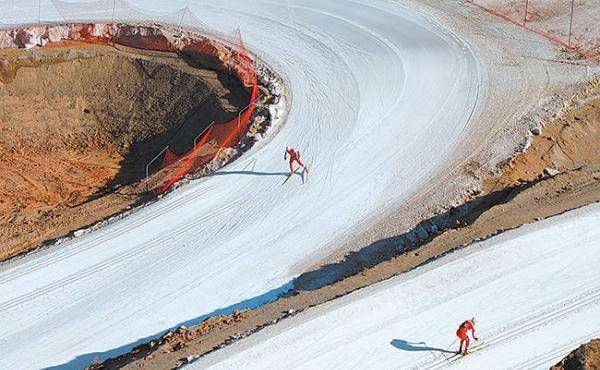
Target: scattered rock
(412,238)
(421,232)
(399,246)
(192,358)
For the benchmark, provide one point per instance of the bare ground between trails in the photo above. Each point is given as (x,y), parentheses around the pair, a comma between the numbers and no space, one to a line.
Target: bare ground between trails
(560,171)
(78,123)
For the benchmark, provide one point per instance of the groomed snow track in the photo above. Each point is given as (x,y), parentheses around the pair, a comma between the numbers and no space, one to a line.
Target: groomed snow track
(380,98)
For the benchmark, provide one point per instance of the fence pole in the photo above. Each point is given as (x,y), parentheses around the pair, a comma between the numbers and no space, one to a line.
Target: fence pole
(182,18)
(112,22)
(39,11)
(526,10)
(200,134)
(149,163)
(571,21)
(245,108)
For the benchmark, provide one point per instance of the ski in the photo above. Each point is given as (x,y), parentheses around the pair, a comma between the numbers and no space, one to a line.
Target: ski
(289,177)
(304,175)
(458,356)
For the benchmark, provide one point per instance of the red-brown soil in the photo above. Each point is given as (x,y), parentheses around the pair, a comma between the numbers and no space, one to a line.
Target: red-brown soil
(586,357)
(78,125)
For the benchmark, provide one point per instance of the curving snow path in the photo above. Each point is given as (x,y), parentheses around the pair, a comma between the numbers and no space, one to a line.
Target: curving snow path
(535,292)
(379,99)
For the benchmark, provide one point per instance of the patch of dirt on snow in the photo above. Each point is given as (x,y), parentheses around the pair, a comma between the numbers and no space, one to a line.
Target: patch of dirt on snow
(586,357)
(527,191)
(79,124)
(564,141)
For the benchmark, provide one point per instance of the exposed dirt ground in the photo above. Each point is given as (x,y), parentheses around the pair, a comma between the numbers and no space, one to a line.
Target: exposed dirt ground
(586,357)
(78,125)
(559,171)
(565,141)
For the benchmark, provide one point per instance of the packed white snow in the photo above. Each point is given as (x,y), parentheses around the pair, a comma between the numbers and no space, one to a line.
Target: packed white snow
(535,293)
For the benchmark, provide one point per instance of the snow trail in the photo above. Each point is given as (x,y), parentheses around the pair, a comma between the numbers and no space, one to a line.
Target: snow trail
(535,292)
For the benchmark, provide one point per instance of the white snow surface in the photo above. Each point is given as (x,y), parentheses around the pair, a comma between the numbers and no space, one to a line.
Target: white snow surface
(535,293)
(379,98)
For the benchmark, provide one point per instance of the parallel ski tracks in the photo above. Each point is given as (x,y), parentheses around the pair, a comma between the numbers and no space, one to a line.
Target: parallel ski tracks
(556,354)
(64,253)
(104,264)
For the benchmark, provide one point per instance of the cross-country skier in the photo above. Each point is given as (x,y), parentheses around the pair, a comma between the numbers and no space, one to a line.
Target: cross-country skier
(294,157)
(463,334)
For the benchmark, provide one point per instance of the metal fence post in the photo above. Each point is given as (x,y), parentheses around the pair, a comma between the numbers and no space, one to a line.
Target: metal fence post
(185,10)
(112,22)
(202,133)
(149,163)
(571,21)
(239,120)
(245,108)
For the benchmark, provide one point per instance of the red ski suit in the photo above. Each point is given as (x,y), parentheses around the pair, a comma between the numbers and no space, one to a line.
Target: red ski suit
(463,334)
(294,157)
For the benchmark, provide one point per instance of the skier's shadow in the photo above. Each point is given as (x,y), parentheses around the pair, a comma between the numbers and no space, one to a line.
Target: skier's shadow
(250,173)
(416,346)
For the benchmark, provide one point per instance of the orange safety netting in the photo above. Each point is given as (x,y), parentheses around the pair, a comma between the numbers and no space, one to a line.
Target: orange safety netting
(218,136)
(573,25)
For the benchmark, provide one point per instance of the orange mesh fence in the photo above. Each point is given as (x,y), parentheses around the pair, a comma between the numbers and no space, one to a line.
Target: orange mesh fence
(218,136)
(119,23)
(572,24)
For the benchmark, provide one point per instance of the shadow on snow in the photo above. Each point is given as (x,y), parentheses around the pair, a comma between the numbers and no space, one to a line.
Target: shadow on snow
(87,359)
(416,346)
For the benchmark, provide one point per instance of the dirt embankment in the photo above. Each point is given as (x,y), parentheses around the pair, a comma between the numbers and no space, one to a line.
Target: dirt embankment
(559,171)
(565,141)
(79,124)
(586,357)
